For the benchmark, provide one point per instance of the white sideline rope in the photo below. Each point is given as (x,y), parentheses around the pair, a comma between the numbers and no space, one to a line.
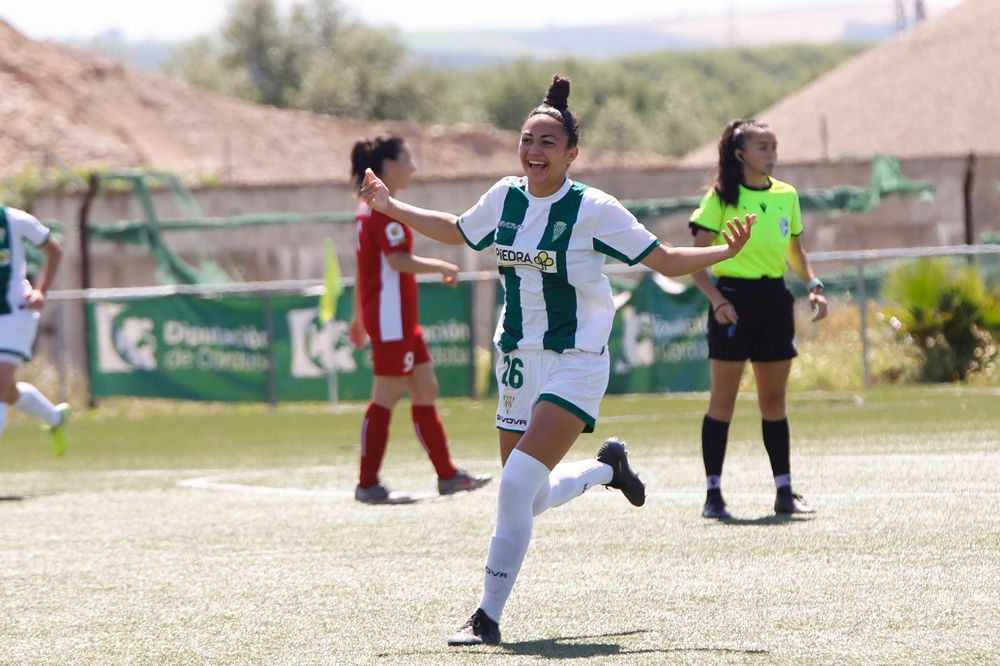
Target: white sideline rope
(314,287)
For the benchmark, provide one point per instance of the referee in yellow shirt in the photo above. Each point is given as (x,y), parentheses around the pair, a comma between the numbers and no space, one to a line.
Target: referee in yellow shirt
(751,313)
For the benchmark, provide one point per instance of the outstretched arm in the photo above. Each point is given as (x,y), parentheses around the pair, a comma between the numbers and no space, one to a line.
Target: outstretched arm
(404,262)
(674,261)
(434,224)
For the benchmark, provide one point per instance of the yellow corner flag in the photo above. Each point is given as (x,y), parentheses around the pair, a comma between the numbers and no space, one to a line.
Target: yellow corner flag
(331,283)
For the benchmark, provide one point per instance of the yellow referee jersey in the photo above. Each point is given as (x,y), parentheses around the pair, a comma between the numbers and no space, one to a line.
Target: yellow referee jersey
(778,219)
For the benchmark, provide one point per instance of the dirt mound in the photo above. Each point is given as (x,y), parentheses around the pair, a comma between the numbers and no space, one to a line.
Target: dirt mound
(62,106)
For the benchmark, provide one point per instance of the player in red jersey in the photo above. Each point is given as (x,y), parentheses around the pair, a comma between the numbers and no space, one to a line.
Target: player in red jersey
(386,312)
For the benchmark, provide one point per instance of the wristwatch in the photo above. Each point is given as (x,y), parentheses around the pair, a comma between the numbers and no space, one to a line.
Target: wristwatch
(815,284)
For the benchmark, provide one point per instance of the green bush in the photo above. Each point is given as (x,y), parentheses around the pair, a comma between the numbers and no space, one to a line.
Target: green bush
(950,315)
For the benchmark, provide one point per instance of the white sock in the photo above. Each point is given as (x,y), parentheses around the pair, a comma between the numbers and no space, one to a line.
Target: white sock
(569,480)
(519,484)
(714,482)
(31,401)
(3,417)
(782,480)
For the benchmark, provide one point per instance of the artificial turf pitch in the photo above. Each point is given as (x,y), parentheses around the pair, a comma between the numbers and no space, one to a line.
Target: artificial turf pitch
(223,535)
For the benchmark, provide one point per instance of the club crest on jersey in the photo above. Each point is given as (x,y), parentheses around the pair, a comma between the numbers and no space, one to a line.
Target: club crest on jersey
(784,225)
(394,233)
(539,259)
(508,400)
(558,229)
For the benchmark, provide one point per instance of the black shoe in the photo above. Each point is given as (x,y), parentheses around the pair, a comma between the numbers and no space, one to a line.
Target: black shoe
(480,629)
(613,453)
(715,506)
(788,502)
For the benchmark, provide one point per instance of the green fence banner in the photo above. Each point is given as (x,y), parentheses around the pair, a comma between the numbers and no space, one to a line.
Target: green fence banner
(658,339)
(194,348)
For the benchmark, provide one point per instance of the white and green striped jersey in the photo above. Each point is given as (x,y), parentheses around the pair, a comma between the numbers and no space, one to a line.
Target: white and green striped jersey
(16,226)
(551,253)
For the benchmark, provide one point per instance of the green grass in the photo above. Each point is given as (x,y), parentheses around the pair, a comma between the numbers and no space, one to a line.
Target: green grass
(113,557)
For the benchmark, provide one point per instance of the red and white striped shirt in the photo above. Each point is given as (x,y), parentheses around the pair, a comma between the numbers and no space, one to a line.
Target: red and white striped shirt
(389,307)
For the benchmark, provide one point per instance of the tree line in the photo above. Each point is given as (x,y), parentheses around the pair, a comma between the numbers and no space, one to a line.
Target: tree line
(315,57)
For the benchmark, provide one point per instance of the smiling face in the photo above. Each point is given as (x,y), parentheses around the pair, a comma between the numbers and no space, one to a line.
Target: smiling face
(759,154)
(545,158)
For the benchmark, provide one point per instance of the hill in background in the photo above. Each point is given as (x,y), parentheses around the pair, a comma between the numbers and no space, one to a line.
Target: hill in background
(464,49)
(861,23)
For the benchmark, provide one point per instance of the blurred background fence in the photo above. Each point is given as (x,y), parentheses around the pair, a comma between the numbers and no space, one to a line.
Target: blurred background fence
(265,341)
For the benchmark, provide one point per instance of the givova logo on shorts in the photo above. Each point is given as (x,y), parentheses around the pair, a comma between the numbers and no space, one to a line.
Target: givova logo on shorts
(539,259)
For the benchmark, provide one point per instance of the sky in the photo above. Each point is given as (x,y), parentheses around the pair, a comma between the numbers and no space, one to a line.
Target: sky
(172,20)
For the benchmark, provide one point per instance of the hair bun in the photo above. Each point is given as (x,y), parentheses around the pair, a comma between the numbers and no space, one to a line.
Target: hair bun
(558,95)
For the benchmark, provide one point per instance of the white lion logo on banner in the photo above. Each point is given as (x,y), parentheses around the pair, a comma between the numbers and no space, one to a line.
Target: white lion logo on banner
(318,348)
(124,344)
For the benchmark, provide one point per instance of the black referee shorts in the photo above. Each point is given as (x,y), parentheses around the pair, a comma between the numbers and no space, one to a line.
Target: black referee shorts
(766,331)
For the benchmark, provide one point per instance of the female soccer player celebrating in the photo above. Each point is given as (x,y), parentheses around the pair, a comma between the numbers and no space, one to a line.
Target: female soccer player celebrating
(752,313)
(385,311)
(550,236)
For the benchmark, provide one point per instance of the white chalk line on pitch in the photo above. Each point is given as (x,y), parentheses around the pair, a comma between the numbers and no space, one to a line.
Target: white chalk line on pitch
(229,482)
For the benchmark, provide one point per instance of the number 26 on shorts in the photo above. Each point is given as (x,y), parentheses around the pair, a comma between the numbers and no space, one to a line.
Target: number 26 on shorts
(512,376)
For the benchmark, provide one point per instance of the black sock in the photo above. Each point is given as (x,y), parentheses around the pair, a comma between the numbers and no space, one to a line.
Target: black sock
(714,436)
(776,441)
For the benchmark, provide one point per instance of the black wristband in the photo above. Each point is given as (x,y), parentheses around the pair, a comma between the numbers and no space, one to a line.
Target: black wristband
(716,308)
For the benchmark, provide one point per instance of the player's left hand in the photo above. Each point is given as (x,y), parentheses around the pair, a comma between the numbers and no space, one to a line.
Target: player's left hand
(737,234)
(35,300)
(818,304)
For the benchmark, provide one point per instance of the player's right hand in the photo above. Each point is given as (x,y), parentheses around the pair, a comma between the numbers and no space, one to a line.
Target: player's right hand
(34,300)
(374,191)
(449,274)
(725,313)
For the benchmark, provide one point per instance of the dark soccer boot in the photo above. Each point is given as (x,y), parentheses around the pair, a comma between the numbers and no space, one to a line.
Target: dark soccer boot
(478,630)
(379,494)
(715,506)
(613,453)
(462,482)
(788,502)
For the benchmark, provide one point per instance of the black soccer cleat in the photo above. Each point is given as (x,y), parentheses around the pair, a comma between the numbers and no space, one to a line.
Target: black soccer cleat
(715,506)
(788,502)
(612,452)
(479,629)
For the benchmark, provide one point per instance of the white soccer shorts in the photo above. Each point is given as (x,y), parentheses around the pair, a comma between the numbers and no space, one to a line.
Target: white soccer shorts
(17,335)
(573,380)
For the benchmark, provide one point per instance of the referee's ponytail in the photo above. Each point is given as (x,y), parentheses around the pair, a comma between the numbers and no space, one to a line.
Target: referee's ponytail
(730,175)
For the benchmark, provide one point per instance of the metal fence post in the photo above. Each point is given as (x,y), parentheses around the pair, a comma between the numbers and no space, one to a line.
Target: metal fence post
(272,384)
(62,355)
(863,304)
